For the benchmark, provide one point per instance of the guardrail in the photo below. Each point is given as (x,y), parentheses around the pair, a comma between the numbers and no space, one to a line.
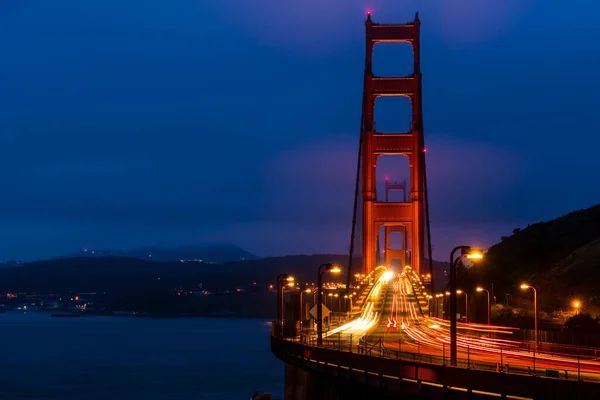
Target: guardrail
(373,364)
(377,347)
(528,362)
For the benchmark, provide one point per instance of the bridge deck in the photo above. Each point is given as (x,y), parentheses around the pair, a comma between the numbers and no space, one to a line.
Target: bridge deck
(395,342)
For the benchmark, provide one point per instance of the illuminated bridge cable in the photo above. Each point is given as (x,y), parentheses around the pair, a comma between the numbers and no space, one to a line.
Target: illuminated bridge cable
(354,211)
(357,183)
(429,250)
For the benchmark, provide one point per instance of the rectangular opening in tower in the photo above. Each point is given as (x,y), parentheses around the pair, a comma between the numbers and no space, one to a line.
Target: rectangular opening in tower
(393,114)
(393,59)
(396,169)
(396,241)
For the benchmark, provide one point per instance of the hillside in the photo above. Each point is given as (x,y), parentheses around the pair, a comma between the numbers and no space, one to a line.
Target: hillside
(561,256)
(98,274)
(209,252)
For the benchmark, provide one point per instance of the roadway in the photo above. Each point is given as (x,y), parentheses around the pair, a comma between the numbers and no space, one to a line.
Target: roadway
(393,321)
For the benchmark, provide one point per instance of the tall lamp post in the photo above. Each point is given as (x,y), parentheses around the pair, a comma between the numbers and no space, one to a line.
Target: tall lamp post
(349,297)
(446,305)
(466,304)
(525,286)
(479,289)
(429,304)
(331,268)
(465,252)
(437,305)
(301,316)
(281,280)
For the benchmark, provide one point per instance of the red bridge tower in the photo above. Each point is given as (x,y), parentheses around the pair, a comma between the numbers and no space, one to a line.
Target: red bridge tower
(376,214)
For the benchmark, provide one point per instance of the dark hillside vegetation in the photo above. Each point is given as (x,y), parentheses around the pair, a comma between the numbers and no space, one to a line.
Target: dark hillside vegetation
(561,256)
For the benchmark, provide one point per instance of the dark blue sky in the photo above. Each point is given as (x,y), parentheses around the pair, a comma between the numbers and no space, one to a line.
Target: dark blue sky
(128,123)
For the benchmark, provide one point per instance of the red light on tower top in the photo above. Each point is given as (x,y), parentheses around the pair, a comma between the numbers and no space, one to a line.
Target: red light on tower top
(386,178)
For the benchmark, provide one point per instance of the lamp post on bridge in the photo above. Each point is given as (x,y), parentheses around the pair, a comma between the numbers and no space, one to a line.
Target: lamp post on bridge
(437,305)
(525,286)
(465,252)
(281,280)
(320,271)
(349,297)
(466,303)
(429,304)
(301,316)
(489,304)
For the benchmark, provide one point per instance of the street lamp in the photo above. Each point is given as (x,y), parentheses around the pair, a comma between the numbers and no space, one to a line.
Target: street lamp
(437,305)
(466,304)
(489,307)
(525,286)
(281,280)
(307,290)
(334,269)
(471,254)
(429,304)
(445,305)
(349,297)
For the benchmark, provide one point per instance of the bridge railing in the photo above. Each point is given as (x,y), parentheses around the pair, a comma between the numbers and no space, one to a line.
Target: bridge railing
(499,360)
(355,362)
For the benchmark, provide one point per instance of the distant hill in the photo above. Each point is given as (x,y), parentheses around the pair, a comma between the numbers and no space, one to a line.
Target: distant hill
(11,264)
(208,252)
(562,256)
(97,274)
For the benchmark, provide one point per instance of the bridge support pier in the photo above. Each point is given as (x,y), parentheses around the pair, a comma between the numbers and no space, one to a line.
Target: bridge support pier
(301,384)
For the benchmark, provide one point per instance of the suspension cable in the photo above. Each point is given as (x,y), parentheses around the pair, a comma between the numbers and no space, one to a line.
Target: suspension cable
(357,183)
(427,221)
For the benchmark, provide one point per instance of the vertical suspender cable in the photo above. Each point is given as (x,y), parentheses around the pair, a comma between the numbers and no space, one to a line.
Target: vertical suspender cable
(357,183)
(429,250)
